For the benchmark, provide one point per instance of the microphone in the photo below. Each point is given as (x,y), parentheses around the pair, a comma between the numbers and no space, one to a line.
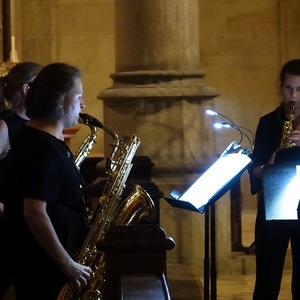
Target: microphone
(230,124)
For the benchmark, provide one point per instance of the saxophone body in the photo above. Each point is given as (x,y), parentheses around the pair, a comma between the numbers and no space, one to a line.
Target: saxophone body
(110,211)
(288,129)
(287,151)
(137,206)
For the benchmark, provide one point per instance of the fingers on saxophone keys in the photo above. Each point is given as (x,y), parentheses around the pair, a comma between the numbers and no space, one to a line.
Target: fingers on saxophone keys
(81,282)
(294,141)
(78,284)
(85,276)
(88,272)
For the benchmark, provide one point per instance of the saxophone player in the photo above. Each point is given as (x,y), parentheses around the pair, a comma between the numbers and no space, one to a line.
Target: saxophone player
(13,90)
(45,217)
(271,240)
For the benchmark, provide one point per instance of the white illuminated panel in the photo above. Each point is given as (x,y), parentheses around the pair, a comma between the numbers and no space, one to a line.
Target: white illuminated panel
(281,191)
(292,193)
(215,178)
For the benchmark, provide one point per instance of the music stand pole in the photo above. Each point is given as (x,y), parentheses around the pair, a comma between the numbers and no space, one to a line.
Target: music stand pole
(213,271)
(210,274)
(206,254)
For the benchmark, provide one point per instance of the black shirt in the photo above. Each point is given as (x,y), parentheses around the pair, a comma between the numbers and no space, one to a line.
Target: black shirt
(42,167)
(14,124)
(13,121)
(267,141)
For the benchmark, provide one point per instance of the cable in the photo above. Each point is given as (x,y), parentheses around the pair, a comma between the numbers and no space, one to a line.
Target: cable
(219,125)
(233,125)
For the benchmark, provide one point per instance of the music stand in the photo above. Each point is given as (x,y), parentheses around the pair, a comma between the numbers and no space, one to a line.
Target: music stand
(281,191)
(202,195)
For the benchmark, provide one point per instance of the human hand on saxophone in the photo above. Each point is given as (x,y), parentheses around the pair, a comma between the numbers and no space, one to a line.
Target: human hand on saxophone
(295,137)
(77,273)
(257,172)
(43,230)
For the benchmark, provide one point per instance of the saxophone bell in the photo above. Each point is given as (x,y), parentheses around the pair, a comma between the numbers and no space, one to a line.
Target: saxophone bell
(137,206)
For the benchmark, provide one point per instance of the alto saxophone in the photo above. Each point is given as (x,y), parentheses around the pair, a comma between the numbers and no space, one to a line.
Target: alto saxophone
(110,211)
(288,128)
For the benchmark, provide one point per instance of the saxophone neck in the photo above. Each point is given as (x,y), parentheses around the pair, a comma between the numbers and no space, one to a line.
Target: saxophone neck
(84,149)
(289,111)
(292,111)
(93,122)
(89,121)
(113,135)
(114,146)
(95,125)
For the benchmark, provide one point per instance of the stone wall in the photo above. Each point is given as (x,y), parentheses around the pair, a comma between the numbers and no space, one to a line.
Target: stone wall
(242,47)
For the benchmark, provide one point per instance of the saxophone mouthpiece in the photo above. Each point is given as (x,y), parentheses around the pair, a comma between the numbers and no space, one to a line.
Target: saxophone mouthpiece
(88,119)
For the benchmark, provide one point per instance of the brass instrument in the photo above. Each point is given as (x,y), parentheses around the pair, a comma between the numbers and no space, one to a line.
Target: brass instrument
(110,212)
(137,206)
(84,149)
(288,129)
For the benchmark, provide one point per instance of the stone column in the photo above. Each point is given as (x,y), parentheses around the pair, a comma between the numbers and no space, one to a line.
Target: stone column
(159,93)
(158,89)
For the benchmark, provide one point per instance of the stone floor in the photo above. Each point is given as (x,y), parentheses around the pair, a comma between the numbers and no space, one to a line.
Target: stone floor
(182,279)
(183,285)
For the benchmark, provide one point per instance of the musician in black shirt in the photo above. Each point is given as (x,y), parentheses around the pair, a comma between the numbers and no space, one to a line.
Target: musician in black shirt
(45,217)
(13,90)
(272,239)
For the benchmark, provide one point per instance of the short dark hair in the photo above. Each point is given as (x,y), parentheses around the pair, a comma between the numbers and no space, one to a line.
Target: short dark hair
(291,67)
(47,93)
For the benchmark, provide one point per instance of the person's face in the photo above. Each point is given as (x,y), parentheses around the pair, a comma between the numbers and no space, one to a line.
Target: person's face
(73,104)
(291,89)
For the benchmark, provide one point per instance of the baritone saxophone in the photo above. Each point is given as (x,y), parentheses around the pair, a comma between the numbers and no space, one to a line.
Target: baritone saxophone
(110,211)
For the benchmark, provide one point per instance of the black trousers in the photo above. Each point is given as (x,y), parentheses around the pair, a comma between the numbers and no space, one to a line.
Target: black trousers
(37,288)
(36,280)
(271,243)
(4,287)
(5,283)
